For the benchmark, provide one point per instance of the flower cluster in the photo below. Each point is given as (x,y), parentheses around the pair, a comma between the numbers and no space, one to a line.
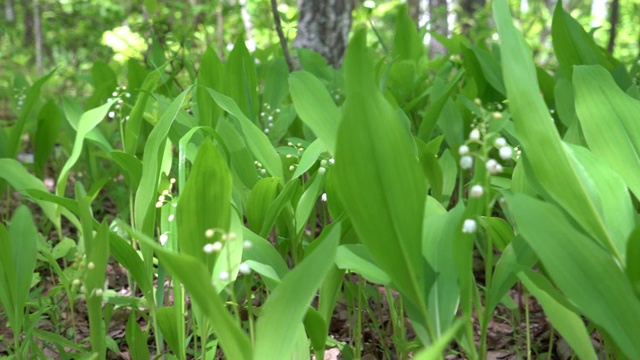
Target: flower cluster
(119,93)
(268,117)
(217,246)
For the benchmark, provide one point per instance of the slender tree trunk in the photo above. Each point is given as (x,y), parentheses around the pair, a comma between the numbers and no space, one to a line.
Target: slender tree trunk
(414,10)
(9,13)
(614,18)
(37,26)
(438,23)
(248,25)
(220,30)
(324,27)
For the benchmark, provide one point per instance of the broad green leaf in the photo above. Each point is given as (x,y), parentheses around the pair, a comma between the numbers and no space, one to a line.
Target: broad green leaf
(568,323)
(146,193)
(633,265)
(308,201)
(257,141)
(282,200)
(18,249)
(309,157)
(133,126)
(21,180)
(609,120)
(131,166)
(315,107)
(94,284)
(607,192)
(126,255)
(210,76)
(49,124)
(444,297)
(204,203)
(260,199)
(276,87)
(87,122)
(170,327)
(572,45)
(356,257)
(379,179)
(136,339)
(515,256)
(240,79)
(317,329)
(406,42)
(285,309)
(586,273)
(543,151)
(33,96)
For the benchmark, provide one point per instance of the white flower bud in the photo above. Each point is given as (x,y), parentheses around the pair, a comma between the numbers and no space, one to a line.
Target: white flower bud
(497,115)
(209,233)
(322,170)
(171,217)
(224,276)
(491,166)
(91,265)
(469,226)
(500,142)
(247,244)
(466,162)
(323,197)
(476,191)
(463,150)
(505,153)
(163,239)
(474,135)
(244,269)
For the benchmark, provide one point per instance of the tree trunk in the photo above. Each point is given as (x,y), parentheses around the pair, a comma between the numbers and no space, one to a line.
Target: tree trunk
(614,17)
(9,13)
(37,26)
(324,27)
(248,25)
(438,24)
(414,10)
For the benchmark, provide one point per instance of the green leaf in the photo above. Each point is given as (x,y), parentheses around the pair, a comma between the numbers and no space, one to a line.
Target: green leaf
(33,96)
(315,107)
(21,180)
(240,79)
(609,119)
(589,277)
(136,339)
(572,45)
(146,193)
(210,76)
(94,284)
(87,122)
(205,203)
(568,323)
(356,257)
(170,327)
(379,179)
(260,199)
(18,249)
(133,126)
(544,154)
(288,303)
(257,141)
(308,201)
(49,124)
(633,265)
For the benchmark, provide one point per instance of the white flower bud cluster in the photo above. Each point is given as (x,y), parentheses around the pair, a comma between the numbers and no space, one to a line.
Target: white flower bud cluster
(268,117)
